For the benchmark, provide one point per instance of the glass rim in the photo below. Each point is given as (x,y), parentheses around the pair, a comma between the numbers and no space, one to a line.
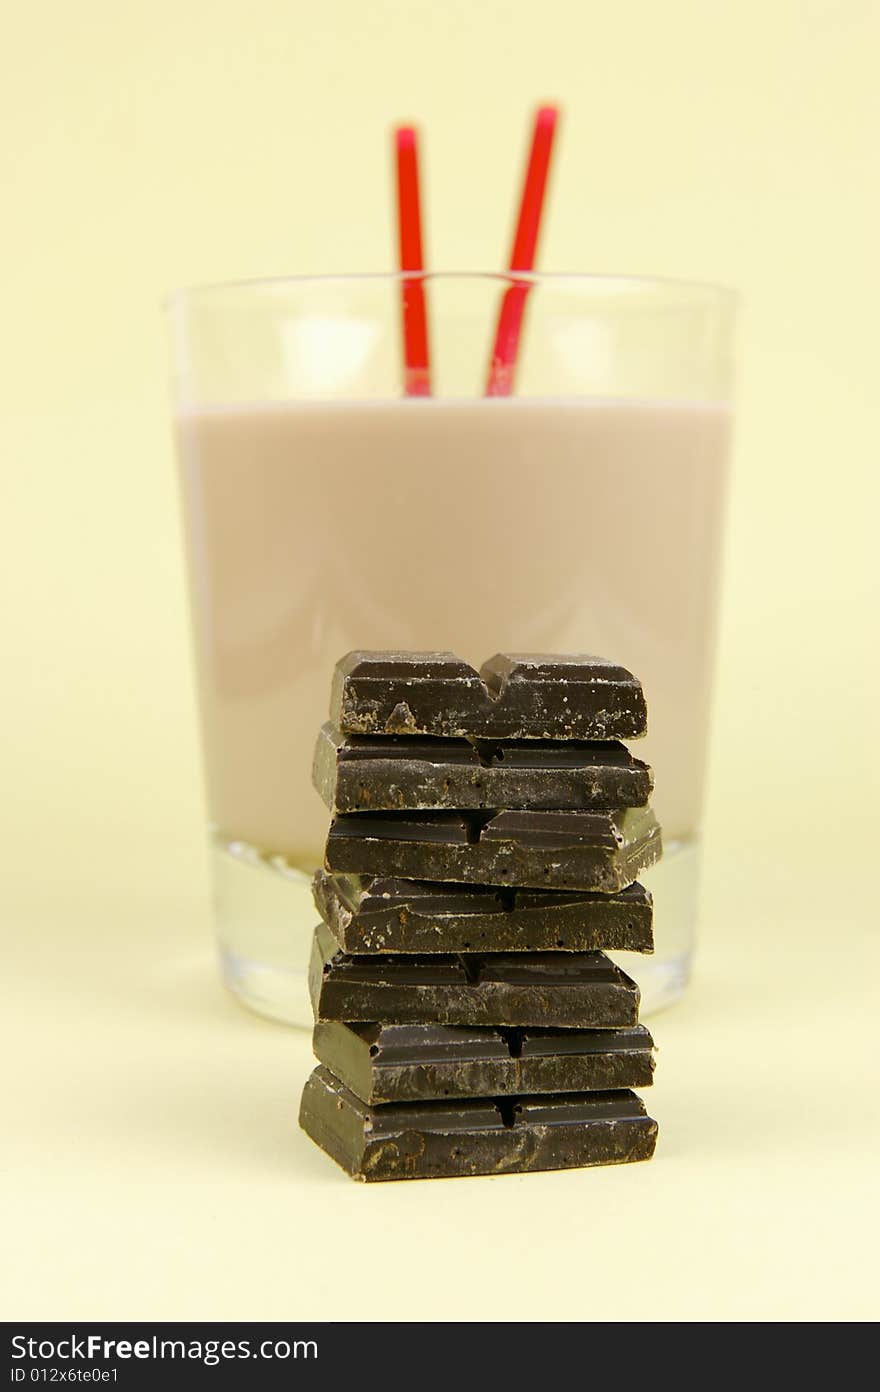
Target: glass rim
(709,290)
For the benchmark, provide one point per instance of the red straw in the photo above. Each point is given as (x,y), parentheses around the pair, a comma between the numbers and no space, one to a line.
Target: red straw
(416,357)
(502,366)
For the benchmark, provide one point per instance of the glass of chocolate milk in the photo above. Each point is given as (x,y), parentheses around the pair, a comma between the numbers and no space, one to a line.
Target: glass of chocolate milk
(325,511)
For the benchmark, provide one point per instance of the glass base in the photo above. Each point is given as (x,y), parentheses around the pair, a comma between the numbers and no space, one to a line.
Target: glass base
(265,916)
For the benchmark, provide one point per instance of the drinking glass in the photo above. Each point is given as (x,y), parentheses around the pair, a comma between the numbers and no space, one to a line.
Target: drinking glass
(325,511)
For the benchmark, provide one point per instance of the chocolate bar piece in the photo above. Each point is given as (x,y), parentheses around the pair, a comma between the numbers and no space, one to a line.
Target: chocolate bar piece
(513,696)
(416,1063)
(363,773)
(602,851)
(388,915)
(583,990)
(407,1140)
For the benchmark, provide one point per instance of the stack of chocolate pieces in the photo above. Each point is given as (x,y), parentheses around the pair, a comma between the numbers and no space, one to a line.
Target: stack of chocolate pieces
(488,829)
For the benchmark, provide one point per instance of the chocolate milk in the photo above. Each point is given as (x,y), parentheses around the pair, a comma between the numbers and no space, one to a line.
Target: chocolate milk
(470,525)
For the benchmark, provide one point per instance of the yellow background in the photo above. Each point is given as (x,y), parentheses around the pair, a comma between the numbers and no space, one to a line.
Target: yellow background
(151,144)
